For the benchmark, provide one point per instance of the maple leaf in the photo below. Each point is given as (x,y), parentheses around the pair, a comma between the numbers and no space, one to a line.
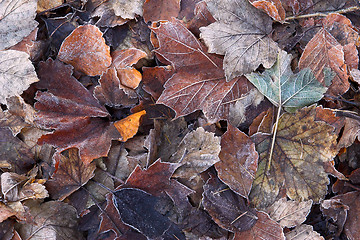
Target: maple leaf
(17,73)
(240,34)
(17,20)
(86,51)
(155,10)
(238,161)
(198,82)
(301,148)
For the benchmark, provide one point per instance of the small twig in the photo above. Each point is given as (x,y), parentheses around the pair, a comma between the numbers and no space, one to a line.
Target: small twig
(350,9)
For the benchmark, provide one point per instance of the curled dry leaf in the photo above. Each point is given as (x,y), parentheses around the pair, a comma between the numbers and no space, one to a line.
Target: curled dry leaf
(70,175)
(17,20)
(303,232)
(273,8)
(17,73)
(129,126)
(334,209)
(240,33)
(197,152)
(198,82)
(289,213)
(351,132)
(238,161)
(301,147)
(155,10)
(106,14)
(86,51)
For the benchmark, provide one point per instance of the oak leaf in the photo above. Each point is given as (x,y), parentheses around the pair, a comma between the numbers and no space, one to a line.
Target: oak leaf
(301,147)
(17,20)
(17,73)
(86,51)
(198,82)
(240,34)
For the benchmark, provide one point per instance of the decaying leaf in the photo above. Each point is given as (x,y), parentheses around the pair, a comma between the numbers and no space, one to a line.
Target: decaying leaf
(86,51)
(17,20)
(123,8)
(128,127)
(16,73)
(303,232)
(289,213)
(198,82)
(337,211)
(273,8)
(227,209)
(154,79)
(71,174)
(155,10)
(301,147)
(288,90)
(238,161)
(351,132)
(197,152)
(240,34)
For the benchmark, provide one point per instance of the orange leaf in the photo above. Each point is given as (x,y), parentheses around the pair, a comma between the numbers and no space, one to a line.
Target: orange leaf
(273,8)
(128,126)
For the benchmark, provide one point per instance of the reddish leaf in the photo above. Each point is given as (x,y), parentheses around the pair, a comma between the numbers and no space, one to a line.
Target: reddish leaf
(154,79)
(70,175)
(202,18)
(199,82)
(155,10)
(238,161)
(73,112)
(86,50)
(273,8)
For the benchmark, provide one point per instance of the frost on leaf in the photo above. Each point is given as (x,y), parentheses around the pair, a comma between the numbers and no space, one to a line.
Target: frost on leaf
(17,20)
(241,34)
(16,73)
(126,9)
(302,147)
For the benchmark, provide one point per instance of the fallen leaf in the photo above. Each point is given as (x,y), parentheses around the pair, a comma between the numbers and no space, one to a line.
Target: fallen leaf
(154,79)
(70,109)
(238,161)
(226,208)
(197,151)
(273,8)
(288,90)
(123,8)
(43,5)
(17,73)
(264,228)
(52,220)
(5,212)
(289,213)
(86,51)
(198,82)
(240,34)
(351,132)
(303,232)
(301,147)
(70,175)
(122,61)
(128,127)
(106,14)
(155,10)
(334,209)
(202,18)
(17,20)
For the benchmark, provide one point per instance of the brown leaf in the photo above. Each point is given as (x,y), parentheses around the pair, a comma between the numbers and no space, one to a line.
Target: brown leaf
(129,126)
(122,61)
(106,14)
(238,161)
(303,232)
(334,209)
(262,123)
(154,79)
(123,8)
(202,18)
(71,174)
(351,132)
(264,228)
(301,147)
(86,51)
(5,212)
(273,8)
(289,213)
(199,82)
(70,109)
(227,209)
(155,10)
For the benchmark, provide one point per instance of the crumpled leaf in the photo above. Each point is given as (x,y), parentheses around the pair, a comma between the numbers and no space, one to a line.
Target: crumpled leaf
(123,8)
(292,91)
(70,109)
(86,51)
(302,146)
(137,209)
(273,8)
(264,228)
(351,132)
(17,73)
(240,34)
(335,210)
(198,82)
(303,232)
(106,14)
(197,152)
(289,213)
(52,220)
(155,10)
(17,20)
(5,212)
(226,208)
(238,161)
(70,175)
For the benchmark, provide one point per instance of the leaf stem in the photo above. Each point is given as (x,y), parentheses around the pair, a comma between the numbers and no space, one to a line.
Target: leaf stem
(318,14)
(273,140)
